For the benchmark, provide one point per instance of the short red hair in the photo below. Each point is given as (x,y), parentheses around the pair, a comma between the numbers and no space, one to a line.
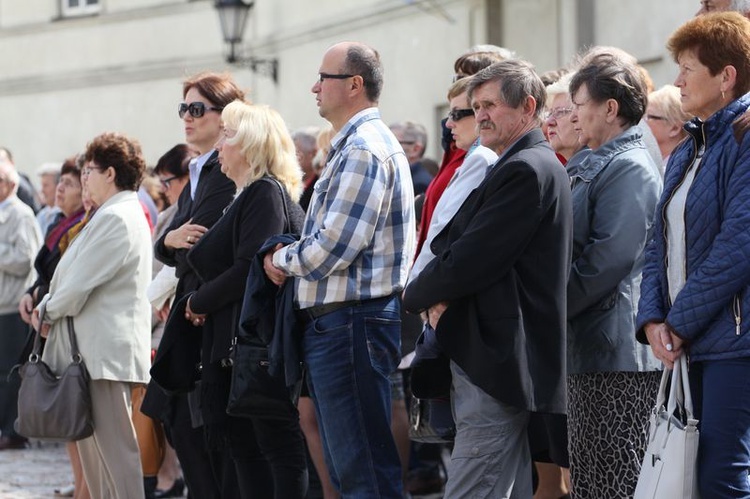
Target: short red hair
(719,40)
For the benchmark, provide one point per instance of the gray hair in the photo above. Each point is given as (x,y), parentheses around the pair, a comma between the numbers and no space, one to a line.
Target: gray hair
(608,76)
(53,169)
(741,6)
(9,171)
(561,86)
(517,79)
(413,132)
(492,49)
(306,137)
(365,61)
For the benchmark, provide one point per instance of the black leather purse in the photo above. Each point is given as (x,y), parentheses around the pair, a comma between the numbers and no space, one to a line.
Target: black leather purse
(54,407)
(254,391)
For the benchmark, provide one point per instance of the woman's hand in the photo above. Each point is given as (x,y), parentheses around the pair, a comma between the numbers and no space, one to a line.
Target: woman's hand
(185,236)
(25,307)
(37,324)
(666,346)
(435,312)
(196,319)
(163,313)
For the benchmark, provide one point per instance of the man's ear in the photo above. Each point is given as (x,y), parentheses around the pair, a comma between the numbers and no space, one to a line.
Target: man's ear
(529,106)
(357,84)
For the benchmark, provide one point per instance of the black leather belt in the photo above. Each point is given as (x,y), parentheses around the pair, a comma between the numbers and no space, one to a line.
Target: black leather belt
(321,310)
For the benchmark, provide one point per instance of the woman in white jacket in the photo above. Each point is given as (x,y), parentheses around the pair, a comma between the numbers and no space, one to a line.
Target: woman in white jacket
(101,282)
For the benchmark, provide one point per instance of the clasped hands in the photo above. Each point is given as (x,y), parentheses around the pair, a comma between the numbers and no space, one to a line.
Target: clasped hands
(194,318)
(666,346)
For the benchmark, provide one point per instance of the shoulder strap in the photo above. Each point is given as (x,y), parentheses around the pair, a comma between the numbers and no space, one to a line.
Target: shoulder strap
(287,222)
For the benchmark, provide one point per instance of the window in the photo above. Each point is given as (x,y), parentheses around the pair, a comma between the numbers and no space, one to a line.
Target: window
(79,7)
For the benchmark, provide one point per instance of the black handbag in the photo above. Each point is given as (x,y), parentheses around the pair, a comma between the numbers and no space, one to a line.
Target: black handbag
(254,392)
(431,421)
(54,407)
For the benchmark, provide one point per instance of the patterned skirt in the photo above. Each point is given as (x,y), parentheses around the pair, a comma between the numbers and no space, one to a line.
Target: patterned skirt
(608,415)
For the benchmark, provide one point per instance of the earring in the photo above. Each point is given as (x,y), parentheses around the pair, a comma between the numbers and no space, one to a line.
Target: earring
(722,95)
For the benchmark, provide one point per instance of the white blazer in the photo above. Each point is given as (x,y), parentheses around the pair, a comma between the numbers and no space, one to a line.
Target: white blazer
(101,282)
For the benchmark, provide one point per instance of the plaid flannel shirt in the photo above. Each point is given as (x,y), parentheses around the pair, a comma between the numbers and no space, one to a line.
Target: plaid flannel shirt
(358,239)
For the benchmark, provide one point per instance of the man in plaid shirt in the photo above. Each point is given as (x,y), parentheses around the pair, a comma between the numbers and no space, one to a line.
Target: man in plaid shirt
(349,266)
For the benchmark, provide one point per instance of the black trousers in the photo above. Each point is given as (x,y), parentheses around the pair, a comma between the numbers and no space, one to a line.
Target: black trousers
(13,333)
(208,474)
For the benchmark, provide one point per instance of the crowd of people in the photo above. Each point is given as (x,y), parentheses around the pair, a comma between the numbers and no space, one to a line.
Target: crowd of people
(581,232)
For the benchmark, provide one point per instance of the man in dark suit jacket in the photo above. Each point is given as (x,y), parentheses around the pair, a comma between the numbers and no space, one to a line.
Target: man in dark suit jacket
(495,293)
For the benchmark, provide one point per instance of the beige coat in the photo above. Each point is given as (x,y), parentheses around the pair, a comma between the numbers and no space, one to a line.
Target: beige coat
(101,282)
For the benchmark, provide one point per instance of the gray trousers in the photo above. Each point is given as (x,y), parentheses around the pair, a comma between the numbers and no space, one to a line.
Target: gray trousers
(110,457)
(491,457)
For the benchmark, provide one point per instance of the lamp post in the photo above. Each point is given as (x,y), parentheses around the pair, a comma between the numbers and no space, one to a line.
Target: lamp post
(233,19)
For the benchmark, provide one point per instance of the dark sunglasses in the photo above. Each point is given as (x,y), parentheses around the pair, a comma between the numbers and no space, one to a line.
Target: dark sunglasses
(196,109)
(459,114)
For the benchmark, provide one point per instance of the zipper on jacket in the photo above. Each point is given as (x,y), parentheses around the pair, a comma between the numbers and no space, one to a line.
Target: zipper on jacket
(684,220)
(737,310)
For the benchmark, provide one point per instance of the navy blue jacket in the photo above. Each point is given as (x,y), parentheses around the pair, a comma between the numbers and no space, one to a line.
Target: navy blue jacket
(268,314)
(711,311)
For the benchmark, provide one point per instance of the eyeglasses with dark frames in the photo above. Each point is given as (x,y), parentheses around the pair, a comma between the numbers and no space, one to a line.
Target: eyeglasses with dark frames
(165,181)
(459,114)
(196,109)
(329,76)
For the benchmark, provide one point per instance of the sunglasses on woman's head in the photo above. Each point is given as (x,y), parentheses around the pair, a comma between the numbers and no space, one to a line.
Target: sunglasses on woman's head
(196,109)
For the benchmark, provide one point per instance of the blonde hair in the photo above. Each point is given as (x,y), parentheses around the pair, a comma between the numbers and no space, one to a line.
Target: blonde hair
(667,99)
(265,143)
(323,141)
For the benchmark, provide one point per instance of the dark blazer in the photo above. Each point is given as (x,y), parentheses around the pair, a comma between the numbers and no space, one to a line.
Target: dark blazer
(213,193)
(222,259)
(179,351)
(503,265)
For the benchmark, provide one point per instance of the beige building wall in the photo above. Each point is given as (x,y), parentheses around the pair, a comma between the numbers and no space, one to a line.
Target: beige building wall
(64,80)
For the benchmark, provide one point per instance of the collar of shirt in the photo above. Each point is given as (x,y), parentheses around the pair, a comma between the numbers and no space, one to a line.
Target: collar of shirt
(501,157)
(366,114)
(195,167)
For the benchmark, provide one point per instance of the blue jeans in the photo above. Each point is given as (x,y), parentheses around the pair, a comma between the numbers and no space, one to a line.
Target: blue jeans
(349,354)
(721,399)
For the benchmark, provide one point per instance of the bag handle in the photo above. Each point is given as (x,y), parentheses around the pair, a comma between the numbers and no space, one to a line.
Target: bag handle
(36,350)
(688,398)
(679,393)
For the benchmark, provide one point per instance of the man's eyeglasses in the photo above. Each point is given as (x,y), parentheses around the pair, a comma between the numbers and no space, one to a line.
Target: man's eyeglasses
(196,109)
(165,181)
(558,112)
(329,76)
(459,114)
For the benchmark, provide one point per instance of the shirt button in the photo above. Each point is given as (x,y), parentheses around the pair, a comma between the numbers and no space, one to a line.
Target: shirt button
(475,451)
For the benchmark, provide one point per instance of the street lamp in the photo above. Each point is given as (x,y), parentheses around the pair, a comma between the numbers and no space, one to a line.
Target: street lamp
(233,18)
